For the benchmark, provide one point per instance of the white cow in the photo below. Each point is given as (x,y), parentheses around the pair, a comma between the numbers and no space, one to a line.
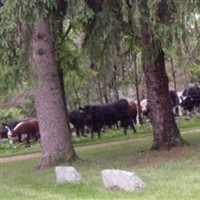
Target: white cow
(144,109)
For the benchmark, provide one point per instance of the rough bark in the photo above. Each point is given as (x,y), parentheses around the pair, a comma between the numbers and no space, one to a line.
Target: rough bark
(165,131)
(55,137)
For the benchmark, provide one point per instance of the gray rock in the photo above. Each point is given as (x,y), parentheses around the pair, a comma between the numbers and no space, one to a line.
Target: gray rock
(67,174)
(122,180)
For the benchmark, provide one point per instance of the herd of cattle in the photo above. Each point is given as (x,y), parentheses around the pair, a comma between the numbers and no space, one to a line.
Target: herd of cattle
(121,113)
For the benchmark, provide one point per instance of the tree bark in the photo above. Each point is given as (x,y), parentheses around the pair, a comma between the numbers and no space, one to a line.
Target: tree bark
(165,131)
(173,74)
(134,56)
(55,137)
(114,82)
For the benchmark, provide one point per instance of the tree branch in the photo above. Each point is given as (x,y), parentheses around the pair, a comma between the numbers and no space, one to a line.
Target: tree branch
(66,33)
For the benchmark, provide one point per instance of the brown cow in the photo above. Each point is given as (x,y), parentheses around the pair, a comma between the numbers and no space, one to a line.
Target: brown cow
(133,110)
(24,131)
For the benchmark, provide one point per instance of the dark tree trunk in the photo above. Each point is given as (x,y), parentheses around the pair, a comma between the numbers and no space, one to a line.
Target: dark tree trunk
(55,137)
(173,74)
(165,131)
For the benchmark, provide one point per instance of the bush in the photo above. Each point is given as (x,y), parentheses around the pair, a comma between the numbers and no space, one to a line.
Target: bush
(195,74)
(10,115)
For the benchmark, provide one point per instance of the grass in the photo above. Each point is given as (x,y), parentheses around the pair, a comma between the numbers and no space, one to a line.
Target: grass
(170,174)
(108,136)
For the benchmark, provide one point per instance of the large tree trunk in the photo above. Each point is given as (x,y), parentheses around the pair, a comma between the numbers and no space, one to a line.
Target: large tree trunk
(165,131)
(55,137)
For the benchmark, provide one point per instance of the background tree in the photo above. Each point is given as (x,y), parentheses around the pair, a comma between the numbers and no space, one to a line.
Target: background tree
(153,17)
(165,131)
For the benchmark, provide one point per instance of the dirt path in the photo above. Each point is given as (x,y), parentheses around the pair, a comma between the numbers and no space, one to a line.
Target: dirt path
(87,147)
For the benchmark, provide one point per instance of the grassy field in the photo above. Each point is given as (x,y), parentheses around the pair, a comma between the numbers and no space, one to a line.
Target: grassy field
(170,174)
(108,136)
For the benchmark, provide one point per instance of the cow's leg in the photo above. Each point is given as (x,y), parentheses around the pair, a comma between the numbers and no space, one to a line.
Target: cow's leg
(19,138)
(99,134)
(82,129)
(77,132)
(97,129)
(133,127)
(124,124)
(26,139)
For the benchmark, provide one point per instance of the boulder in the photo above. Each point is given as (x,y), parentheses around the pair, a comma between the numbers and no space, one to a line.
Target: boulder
(122,180)
(67,174)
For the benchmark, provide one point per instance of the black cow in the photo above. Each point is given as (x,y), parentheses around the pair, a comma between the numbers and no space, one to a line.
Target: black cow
(108,115)
(190,98)
(4,131)
(174,101)
(79,119)
(1,3)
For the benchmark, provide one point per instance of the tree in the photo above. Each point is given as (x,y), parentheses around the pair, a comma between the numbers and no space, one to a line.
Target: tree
(55,136)
(165,131)
(50,105)
(51,112)
(151,15)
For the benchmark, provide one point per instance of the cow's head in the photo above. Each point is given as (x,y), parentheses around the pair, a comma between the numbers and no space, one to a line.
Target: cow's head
(87,114)
(144,107)
(12,138)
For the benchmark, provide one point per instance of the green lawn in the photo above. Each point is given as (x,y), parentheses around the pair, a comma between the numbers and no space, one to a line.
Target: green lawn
(170,174)
(108,136)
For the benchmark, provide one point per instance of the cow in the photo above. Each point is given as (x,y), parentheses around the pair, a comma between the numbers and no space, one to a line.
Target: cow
(190,98)
(144,110)
(4,131)
(133,110)
(174,100)
(24,131)
(78,118)
(109,114)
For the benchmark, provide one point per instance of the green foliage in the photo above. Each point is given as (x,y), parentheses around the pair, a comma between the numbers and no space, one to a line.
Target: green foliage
(195,73)
(13,78)
(11,114)
(19,111)
(17,18)
(173,24)
(107,36)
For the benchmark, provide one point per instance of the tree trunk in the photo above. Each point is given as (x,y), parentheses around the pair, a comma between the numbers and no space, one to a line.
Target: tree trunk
(115,82)
(134,58)
(99,89)
(104,90)
(55,137)
(165,130)
(173,74)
